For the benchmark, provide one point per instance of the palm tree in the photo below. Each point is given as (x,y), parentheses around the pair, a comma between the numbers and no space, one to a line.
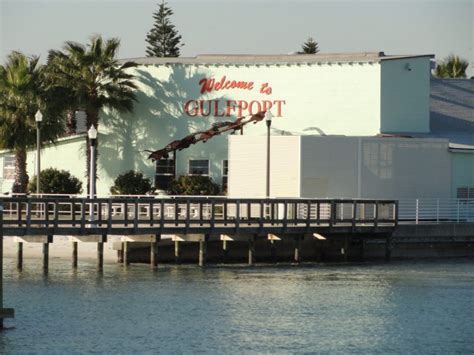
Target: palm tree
(94,78)
(452,67)
(22,93)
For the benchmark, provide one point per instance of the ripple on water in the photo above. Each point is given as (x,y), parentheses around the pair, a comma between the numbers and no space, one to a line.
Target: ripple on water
(422,307)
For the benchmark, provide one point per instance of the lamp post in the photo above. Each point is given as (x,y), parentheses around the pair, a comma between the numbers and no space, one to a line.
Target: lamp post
(38,119)
(92,133)
(268,120)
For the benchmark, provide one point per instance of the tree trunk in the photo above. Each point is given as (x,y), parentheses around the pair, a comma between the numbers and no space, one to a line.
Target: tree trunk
(71,123)
(21,176)
(92,119)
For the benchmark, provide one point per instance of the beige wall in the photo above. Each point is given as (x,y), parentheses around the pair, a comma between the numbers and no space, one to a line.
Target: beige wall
(247,166)
(336,167)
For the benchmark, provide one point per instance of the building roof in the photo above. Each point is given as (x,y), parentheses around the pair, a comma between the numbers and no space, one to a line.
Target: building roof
(209,59)
(452,106)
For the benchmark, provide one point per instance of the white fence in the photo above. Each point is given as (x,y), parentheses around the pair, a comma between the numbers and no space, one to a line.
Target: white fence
(431,210)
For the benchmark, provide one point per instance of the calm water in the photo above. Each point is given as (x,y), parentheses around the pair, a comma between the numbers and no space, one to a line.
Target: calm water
(417,307)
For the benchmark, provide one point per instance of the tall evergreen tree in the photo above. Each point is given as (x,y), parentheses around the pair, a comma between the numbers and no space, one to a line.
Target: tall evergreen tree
(310,46)
(163,39)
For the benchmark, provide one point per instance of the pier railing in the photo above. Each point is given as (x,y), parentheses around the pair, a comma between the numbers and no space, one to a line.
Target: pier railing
(432,210)
(71,215)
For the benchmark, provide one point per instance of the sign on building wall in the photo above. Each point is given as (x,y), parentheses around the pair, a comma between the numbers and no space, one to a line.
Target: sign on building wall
(231,107)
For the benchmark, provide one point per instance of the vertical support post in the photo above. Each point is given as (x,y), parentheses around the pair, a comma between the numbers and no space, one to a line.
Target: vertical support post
(74,254)
(100,255)
(273,255)
(437,210)
(225,251)
(203,251)
(251,250)
(362,249)
(176,252)
(154,252)
(388,247)
(346,248)
(457,218)
(19,256)
(126,260)
(416,212)
(1,264)
(38,155)
(45,257)
(297,257)
(268,120)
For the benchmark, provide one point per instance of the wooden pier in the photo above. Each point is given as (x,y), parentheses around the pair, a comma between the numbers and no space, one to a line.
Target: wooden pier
(189,219)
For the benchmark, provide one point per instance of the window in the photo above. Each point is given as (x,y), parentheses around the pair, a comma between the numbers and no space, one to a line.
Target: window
(225,170)
(9,168)
(199,167)
(164,173)
(465,192)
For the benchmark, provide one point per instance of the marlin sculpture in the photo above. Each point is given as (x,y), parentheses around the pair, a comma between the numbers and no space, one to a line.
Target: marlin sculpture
(216,129)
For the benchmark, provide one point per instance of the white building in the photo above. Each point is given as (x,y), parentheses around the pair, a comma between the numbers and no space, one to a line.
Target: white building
(351,94)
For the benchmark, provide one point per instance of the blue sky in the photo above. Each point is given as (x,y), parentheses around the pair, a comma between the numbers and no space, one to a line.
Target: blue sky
(243,27)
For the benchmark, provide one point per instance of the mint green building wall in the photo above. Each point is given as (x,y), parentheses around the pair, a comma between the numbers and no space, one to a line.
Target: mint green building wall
(354,99)
(67,154)
(462,170)
(336,98)
(405,93)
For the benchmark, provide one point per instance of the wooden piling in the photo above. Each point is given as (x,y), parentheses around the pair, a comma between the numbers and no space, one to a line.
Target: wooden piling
(100,256)
(19,256)
(176,252)
(388,247)
(225,251)
(273,254)
(297,257)
(74,254)
(154,252)
(4,312)
(126,260)
(362,249)
(1,264)
(251,251)
(346,248)
(45,257)
(202,252)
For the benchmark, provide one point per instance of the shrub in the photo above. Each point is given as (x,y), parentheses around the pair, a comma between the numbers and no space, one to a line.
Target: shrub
(193,185)
(53,181)
(132,183)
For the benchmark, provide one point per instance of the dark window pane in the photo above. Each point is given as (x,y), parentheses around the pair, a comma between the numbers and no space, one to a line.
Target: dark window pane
(199,167)
(163,182)
(165,166)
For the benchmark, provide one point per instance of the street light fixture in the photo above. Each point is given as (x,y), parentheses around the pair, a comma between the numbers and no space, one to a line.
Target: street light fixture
(38,119)
(268,120)
(92,133)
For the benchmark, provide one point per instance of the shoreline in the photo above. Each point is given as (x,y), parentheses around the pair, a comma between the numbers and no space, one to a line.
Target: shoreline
(61,248)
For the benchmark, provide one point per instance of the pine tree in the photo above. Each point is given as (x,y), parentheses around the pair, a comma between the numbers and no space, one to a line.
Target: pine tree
(310,46)
(163,39)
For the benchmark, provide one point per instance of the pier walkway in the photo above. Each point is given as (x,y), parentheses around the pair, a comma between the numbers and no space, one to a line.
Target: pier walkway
(182,215)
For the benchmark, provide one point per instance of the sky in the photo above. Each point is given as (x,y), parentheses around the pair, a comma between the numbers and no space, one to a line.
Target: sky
(438,27)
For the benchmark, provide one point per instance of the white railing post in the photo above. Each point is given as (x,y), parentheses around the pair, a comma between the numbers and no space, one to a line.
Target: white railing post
(458,212)
(437,210)
(416,213)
